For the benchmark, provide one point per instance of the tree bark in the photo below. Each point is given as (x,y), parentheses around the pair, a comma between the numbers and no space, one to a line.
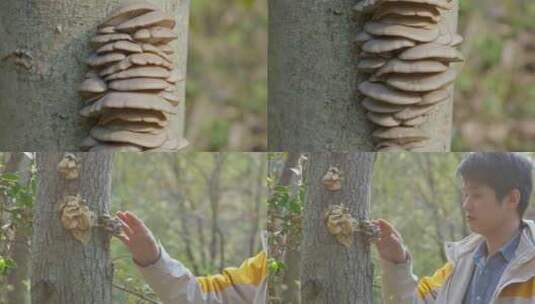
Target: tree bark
(314,104)
(42,63)
(331,272)
(64,270)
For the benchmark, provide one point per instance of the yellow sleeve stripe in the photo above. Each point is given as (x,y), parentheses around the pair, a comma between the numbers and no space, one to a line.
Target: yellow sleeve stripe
(253,271)
(427,284)
(520,290)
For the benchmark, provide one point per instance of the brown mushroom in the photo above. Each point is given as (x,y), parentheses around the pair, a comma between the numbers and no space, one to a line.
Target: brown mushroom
(149,59)
(138,84)
(106,30)
(380,107)
(166,49)
(127,12)
(413,112)
(174,77)
(127,100)
(137,127)
(408,67)
(370,64)
(142,71)
(362,37)
(115,147)
(154,18)
(141,139)
(378,45)
(409,10)
(381,92)
(416,34)
(421,82)
(155,35)
(92,86)
(121,45)
(97,60)
(432,51)
(100,40)
(412,21)
(116,67)
(435,96)
(171,97)
(149,48)
(400,135)
(383,120)
(133,115)
(443,4)
(416,121)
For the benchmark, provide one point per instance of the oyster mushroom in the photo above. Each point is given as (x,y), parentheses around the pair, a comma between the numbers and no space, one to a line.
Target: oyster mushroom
(389,95)
(415,34)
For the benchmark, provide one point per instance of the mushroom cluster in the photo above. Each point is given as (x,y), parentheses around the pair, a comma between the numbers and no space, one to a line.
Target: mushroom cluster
(406,54)
(130,88)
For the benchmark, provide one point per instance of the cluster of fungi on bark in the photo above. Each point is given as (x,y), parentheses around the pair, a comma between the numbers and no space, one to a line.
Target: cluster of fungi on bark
(341,224)
(130,88)
(406,51)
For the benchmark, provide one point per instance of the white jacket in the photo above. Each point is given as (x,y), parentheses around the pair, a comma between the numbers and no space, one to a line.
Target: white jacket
(449,283)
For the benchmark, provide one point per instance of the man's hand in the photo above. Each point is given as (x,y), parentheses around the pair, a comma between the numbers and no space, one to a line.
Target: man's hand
(138,239)
(390,245)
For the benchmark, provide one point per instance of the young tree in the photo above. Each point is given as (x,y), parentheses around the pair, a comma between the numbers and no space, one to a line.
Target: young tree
(43,52)
(336,268)
(67,267)
(312,80)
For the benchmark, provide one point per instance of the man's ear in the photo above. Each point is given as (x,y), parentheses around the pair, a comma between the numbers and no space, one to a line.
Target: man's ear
(513,199)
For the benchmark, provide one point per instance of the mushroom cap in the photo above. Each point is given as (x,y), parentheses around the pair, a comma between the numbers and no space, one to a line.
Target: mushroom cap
(377,106)
(127,100)
(154,18)
(133,115)
(116,67)
(149,59)
(378,45)
(138,127)
(416,121)
(408,9)
(395,65)
(100,40)
(123,136)
(432,51)
(87,143)
(149,48)
(435,96)
(362,37)
(412,21)
(92,85)
(97,60)
(456,40)
(121,45)
(370,64)
(413,112)
(128,11)
(416,34)
(383,120)
(421,82)
(174,77)
(383,93)
(155,35)
(166,49)
(443,4)
(388,145)
(400,135)
(138,84)
(115,147)
(106,30)
(171,97)
(142,71)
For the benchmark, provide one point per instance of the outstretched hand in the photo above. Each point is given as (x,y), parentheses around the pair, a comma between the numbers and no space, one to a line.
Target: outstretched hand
(389,244)
(138,239)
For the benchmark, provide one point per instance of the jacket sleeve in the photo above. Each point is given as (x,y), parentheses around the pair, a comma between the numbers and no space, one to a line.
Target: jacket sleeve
(174,283)
(400,285)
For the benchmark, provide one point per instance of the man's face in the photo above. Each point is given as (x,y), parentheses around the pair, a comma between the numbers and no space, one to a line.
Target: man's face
(484,212)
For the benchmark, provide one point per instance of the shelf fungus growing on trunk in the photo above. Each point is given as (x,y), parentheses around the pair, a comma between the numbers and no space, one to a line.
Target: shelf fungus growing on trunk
(407,56)
(342,225)
(130,88)
(68,167)
(332,180)
(76,217)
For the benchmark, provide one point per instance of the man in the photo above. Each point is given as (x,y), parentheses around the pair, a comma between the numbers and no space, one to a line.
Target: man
(174,283)
(496,264)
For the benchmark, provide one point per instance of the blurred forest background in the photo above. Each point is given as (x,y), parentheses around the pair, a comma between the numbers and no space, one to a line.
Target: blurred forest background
(419,193)
(227,76)
(207,209)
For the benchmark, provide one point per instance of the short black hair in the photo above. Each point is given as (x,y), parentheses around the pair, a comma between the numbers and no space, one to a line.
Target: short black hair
(502,172)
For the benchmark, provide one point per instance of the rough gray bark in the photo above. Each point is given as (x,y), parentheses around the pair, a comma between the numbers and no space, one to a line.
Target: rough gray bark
(312,81)
(20,249)
(65,271)
(330,272)
(42,63)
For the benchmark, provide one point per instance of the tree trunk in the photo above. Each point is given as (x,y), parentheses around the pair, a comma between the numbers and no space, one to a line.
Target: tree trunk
(42,63)
(64,269)
(20,249)
(331,272)
(314,104)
